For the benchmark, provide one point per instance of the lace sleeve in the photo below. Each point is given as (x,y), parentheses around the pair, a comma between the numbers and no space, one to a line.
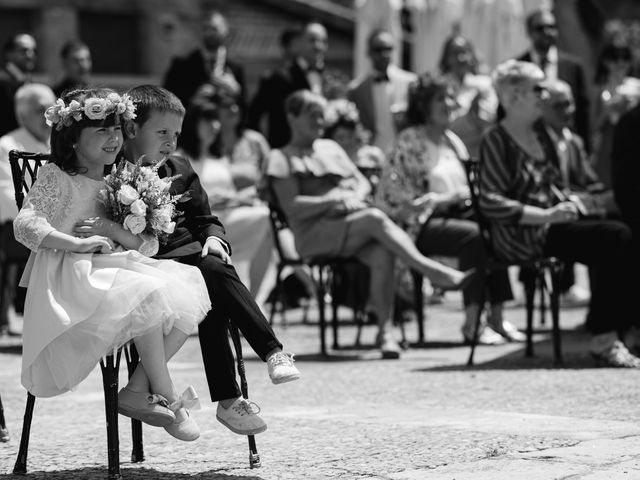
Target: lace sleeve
(41,208)
(149,246)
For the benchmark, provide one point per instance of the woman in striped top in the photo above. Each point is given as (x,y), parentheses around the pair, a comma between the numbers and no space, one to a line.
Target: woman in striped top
(520,192)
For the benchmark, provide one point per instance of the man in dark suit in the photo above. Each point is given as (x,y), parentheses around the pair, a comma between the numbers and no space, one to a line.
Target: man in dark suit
(305,72)
(20,60)
(382,94)
(199,240)
(77,64)
(207,64)
(543,34)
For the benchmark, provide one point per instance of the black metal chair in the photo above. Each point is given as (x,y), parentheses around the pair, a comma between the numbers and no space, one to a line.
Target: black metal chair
(24,170)
(321,269)
(538,270)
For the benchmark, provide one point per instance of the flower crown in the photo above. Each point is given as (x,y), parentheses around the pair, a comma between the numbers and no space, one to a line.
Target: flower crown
(94,108)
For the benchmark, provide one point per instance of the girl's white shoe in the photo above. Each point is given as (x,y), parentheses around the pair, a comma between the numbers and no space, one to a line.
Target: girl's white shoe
(184,427)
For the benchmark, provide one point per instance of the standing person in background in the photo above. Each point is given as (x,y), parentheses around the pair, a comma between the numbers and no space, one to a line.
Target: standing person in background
(476,99)
(306,72)
(207,63)
(542,31)
(77,64)
(20,53)
(617,93)
(381,95)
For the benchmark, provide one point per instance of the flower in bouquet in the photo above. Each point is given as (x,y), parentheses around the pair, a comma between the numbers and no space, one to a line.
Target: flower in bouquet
(136,197)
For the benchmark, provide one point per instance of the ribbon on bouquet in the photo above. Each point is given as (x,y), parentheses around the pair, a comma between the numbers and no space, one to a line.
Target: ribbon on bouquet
(188,399)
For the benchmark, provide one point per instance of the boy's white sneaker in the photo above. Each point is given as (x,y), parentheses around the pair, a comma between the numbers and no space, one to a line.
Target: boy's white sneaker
(241,417)
(281,368)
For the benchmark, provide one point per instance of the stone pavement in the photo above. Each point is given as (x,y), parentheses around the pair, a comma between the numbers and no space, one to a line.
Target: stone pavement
(353,416)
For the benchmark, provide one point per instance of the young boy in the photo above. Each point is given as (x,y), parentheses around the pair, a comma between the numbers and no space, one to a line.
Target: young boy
(199,239)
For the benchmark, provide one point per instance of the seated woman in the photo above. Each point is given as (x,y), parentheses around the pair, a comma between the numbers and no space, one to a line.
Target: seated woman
(322,193)
(521,192)
(426,167)
(230,175)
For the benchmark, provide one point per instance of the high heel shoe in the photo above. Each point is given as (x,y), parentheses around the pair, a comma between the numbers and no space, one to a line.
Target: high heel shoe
(460,284)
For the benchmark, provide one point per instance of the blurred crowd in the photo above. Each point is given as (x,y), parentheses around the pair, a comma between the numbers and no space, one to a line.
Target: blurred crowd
(374,168)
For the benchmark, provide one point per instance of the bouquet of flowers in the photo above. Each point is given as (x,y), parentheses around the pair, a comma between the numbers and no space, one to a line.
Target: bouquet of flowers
(136,197)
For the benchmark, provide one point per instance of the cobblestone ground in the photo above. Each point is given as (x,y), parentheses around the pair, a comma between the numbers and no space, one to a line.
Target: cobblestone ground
(353,416)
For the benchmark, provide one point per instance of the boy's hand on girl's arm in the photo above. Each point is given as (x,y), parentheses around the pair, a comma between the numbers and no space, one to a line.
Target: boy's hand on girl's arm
(214,246)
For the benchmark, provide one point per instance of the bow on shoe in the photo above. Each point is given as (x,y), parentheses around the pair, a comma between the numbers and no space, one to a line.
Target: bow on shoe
(189,400)
(155,399)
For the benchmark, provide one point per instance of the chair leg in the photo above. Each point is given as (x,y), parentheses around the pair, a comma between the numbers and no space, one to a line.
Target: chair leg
(529,293)
(254,457)
(320,287)
(109,369)
(334,312)
(137,450)
(542,284)
(555,314)
(418,303)
(277,294)
(476,333)
(3,425)
(20,467)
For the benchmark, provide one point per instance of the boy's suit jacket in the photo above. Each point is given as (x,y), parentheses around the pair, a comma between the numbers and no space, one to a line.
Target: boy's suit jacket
(361,93)
(269,99)
(195,223)
(186,74)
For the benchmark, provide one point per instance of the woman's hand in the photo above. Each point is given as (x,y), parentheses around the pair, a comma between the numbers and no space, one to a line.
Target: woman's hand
(562,213)
(94,226)
(348,205)
(93,244)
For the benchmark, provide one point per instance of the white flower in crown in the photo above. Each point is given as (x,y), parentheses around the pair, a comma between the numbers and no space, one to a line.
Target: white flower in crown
(96,108)
(52,114)
(341,108)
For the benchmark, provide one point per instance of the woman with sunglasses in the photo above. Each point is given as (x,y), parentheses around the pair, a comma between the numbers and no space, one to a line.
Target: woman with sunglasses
(521,193)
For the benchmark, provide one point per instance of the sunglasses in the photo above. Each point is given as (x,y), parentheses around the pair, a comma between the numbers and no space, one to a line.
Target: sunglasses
(382,49)
(543,27)
(539,90)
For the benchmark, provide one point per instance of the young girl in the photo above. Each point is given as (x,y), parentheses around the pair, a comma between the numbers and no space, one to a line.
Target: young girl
(85,296)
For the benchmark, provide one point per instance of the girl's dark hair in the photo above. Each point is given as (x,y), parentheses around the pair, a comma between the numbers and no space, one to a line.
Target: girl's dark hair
(421,95)
(63,140)
(613,50)
(188,140)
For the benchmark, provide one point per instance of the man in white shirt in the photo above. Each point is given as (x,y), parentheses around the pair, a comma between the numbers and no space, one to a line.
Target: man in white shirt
(32,135)
(381,95)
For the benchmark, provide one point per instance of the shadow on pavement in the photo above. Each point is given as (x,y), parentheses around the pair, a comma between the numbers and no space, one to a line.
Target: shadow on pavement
(129,474)
(575,355)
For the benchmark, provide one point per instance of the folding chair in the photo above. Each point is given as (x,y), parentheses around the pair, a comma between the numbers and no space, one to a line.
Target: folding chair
(539,268)
(24,170)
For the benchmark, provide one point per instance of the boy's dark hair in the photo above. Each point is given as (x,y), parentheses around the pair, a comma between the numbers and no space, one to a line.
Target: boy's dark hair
(151,98)
(62,140)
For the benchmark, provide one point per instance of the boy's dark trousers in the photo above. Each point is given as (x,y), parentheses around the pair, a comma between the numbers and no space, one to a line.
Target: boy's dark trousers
(231,301)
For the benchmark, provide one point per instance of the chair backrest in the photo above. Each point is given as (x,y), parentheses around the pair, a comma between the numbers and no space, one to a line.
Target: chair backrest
(282,233)
(24,170)
(472,169)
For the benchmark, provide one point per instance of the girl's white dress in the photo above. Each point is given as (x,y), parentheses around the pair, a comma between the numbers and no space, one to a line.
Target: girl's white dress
(80,306)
